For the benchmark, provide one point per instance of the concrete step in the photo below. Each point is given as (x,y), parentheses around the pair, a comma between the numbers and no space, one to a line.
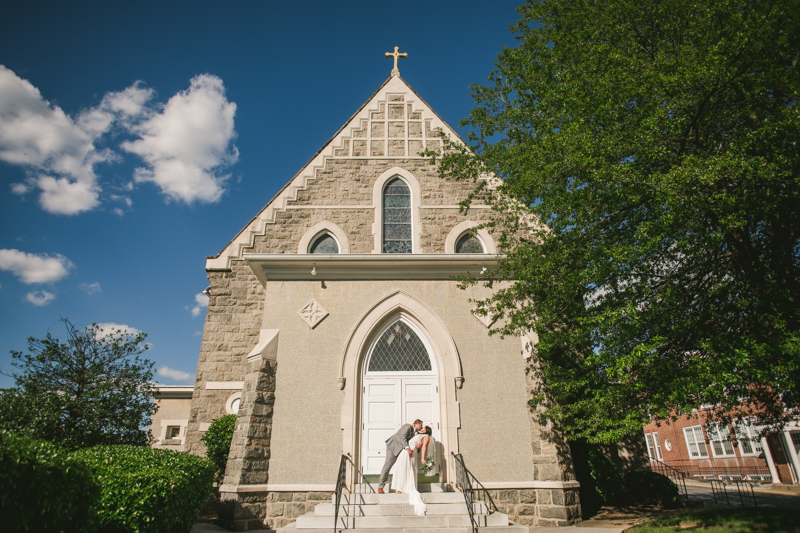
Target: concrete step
(327,509)
(309,521)
(398,499)
(511,528)
(422,487)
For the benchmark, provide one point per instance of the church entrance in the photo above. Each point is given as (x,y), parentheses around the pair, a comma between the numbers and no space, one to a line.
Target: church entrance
(400,385)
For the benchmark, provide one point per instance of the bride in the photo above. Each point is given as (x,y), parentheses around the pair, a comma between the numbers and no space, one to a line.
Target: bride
(404,472)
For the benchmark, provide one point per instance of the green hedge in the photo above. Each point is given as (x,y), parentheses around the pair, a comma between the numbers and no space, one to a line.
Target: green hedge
(148,490)
(44,488)
(218,442)
(649,488)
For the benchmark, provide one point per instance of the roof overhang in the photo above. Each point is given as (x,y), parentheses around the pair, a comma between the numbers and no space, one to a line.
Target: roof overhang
(332,267)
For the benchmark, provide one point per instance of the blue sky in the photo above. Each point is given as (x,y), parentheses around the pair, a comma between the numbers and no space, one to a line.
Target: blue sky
(137,139)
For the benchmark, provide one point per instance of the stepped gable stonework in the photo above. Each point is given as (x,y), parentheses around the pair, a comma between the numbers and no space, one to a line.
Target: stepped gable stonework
(299,409)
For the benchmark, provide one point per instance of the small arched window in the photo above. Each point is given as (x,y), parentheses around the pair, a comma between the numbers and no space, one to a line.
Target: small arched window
(396,218)
(324,244)
(469,244)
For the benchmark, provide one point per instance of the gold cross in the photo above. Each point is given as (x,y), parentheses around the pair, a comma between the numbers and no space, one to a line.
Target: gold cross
(396,55)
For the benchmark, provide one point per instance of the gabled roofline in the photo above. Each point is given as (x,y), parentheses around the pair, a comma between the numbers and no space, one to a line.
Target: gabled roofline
(348,122)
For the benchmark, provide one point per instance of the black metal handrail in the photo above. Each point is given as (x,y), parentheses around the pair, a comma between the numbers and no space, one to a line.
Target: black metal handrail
(473,491)
(718,491)
(350,480)
(677,477)
(705,468)
(744,494)
(341,485)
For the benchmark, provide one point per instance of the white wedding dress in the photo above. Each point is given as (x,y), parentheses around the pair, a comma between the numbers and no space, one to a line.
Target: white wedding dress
(404,476)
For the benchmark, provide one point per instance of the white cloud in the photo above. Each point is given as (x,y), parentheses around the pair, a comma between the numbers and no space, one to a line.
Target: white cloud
(60,152)
(176,375)
(40,298)
(34,268)
(90,288)
(107,328)
(188,144)
(202,302)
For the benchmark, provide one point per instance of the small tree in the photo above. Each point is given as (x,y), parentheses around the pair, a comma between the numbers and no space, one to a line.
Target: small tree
(93,389)
(218,441)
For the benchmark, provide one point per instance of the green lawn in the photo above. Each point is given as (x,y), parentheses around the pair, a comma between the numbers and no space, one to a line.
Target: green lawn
(727,521)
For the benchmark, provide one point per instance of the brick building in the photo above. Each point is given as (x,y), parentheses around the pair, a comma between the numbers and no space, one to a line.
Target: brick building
(708,451)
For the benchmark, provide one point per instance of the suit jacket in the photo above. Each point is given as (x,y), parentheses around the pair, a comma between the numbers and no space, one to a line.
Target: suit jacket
(399,441)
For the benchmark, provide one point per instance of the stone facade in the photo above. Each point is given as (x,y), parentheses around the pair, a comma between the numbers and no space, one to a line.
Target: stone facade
(299,408)
(538,507)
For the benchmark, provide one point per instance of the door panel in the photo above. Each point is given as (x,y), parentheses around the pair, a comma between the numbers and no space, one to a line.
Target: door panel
(388,404)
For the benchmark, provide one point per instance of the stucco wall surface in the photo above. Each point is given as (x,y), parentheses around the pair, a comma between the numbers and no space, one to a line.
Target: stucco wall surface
(307,435)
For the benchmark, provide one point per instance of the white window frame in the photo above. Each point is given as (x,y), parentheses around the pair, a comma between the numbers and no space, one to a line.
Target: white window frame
(657,442)
(747,429)
(690,434)
(654,446)
(648,438)
(720,438)
(377,204)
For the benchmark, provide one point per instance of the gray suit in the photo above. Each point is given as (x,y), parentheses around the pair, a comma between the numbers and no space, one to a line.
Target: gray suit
(395,444)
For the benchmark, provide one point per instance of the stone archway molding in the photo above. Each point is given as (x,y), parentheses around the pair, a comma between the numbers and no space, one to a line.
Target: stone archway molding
(447,360)
(324,227)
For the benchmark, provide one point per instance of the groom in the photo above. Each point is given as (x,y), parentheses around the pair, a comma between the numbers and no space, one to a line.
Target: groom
(395,445)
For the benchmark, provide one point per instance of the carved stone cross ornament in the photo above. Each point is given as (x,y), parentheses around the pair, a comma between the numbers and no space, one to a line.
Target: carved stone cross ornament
(396,55)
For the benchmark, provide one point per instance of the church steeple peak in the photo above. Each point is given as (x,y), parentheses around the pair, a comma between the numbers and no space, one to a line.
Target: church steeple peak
(396,55)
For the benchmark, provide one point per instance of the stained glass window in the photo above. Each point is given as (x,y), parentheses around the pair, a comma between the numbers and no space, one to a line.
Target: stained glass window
(468,244)
(399,350)
(325,245)
(396,218)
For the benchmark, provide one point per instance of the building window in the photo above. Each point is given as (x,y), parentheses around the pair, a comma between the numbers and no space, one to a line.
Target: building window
(469,244)
(796,441)
(747,435)
(695,442)
(324,244)
(399,349)
(653,446)
(397,218)
(173,432)
(720,438)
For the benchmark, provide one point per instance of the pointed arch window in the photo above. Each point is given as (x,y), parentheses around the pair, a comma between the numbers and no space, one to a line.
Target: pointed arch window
(324,244)
(397,217)
(399,349)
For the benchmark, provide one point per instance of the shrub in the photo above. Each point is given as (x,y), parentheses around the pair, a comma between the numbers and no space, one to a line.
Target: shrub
(218,441)
(649,488)
(44,488)
(148,490)
(601,481)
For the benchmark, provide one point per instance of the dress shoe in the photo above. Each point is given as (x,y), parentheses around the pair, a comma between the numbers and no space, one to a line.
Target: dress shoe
(380,491)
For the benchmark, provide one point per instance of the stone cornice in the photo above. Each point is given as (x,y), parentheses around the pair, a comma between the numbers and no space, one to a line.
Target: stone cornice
(332,267)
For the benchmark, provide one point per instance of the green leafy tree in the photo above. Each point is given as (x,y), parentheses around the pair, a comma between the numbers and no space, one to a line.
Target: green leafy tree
(218,441)
(92,389)
(649,164)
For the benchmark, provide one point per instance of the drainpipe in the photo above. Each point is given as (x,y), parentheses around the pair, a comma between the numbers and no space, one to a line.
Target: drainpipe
(770,463)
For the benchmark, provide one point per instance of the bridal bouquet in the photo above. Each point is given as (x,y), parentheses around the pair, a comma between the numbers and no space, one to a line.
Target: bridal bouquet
(428,468)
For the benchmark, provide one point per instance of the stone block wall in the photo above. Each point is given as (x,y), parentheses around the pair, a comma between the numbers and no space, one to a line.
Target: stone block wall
(283,508)
(232,326)
(539,507)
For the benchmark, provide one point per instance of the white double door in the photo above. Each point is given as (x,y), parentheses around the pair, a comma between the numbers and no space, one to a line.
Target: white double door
(388,404)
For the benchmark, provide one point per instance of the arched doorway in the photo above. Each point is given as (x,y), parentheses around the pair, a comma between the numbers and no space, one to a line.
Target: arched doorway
(444,358)
(400,384)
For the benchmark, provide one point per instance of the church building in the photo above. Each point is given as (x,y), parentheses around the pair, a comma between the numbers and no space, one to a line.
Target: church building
(333,319)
